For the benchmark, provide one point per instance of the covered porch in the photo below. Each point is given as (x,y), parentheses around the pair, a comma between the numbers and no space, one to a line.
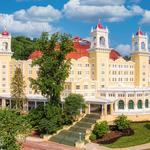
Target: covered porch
(100,106)
(32,101)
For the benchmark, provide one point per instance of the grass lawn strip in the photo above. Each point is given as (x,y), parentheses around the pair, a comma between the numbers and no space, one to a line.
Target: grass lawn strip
(141,136)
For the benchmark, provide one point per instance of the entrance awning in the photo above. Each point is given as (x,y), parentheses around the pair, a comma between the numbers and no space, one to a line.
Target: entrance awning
(98,100)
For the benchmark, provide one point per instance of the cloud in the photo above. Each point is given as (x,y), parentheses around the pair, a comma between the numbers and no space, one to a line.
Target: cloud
(146,17)
(31,22)
(110,11)
(102,2)
(124,49)
(38,13)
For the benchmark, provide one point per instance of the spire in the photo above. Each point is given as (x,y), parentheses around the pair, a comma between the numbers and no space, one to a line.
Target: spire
(139,31)
(99,25)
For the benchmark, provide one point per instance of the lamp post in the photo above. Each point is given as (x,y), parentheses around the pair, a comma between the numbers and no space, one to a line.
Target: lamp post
(80,136)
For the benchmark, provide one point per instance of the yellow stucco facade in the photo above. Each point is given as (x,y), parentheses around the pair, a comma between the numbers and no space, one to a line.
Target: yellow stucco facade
(110,87)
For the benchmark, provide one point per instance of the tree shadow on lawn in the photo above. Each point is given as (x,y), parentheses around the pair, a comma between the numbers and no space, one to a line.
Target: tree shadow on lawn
(147,126)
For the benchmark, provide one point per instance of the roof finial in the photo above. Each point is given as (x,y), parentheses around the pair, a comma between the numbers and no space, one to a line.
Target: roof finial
(139,29)
(5,28)
(99,20)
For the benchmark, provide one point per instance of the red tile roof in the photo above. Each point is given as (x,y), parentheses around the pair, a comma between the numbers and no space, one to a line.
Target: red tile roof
(114,54)
(81,46)
(35,54)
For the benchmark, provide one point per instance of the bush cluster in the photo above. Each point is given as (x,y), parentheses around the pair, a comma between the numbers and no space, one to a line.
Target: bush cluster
(122,123)
(51,117)
(100,129)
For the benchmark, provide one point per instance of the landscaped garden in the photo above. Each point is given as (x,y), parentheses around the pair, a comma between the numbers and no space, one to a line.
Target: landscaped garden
(122,134)
(141,136)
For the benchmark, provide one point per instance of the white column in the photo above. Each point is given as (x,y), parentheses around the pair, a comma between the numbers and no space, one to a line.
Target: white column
(102,113)
(143,101)
(135,102)
(126,102)
(35,105)
(3,103)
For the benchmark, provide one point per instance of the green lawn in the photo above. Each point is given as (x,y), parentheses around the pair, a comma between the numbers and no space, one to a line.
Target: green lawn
(141,136)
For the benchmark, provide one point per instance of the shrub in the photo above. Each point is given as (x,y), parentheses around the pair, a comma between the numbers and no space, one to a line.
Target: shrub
(46,119)
(92,137)
(100,129)
(73,104)
(122,122)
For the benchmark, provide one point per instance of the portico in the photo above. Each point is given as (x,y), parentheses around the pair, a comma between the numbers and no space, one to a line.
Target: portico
(103,107)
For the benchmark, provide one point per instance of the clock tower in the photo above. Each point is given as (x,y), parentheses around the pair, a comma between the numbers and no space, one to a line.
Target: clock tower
(99,55)
(140,55)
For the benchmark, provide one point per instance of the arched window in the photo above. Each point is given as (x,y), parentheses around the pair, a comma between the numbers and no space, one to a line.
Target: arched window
(139,104)
(102,41)
(5,46)
(143,45)
(131,104)
(146,103)
(121,104)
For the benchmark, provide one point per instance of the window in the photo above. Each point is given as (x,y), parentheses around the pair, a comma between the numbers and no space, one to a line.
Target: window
(5,46)
(3,79)
(102,41)
(3,85)
(93,86)
(85,86)
(86,65)
(79,72)
(131,104)
(30,71)
(139,104)
(79,65)
(3,66)
(143,45)
(77,87)
(146,103)
(121,104)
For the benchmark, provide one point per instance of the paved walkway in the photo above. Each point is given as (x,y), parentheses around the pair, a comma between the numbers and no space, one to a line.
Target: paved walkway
(38,144)
(93,146)
(34,143)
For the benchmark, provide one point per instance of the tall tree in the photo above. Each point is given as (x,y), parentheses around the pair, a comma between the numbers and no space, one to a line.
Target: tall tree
(53,65)
(18,90)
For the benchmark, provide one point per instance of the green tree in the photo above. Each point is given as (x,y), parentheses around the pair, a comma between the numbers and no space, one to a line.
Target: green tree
(11,125)
(53,65)
(18,90)
(122,122)
(73,104)
(46,119)
(100,129)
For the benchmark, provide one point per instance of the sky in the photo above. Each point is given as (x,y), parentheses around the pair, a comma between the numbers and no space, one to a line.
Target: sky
(122,17)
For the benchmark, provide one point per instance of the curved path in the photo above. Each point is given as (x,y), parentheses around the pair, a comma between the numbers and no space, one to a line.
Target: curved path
(93,146)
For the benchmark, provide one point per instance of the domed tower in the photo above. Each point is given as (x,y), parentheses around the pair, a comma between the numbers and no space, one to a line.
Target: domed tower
(140,55)
(99,55)
(139,42)
(5,45)
(99,37)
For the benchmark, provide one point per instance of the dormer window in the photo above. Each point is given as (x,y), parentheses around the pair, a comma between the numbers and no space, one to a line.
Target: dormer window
(102,41)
